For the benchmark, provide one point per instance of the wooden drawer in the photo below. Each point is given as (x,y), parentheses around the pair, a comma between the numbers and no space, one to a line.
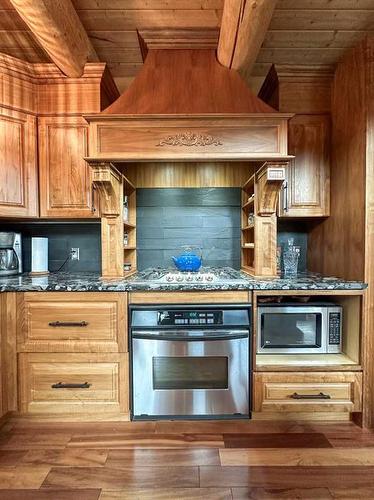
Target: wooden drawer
(308,392)
(73,322)
(103,379)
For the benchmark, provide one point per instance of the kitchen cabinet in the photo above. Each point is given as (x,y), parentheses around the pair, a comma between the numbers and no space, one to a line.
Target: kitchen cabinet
(307,392)
(72,354)
(91,385)
(306,192)
(73,322)
(65,178)
(18,167)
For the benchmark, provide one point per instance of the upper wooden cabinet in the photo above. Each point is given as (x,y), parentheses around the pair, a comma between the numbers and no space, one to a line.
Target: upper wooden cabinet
(306,192)
(65,178)
(40,93)
(18,169)
(305,91)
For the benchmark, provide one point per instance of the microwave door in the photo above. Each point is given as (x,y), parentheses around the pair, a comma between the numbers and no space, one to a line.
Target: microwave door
(290,330)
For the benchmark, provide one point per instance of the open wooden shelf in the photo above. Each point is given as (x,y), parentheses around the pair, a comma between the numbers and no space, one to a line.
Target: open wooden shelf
(249,202)
(259,221)
(305,362)
(129,226)
(249,182)
(128,185)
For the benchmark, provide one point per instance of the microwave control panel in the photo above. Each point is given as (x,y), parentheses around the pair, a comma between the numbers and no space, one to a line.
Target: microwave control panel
(192,318)
(334,328)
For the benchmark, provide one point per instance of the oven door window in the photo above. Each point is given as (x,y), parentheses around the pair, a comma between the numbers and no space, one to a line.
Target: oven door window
(191,372)
(291,330)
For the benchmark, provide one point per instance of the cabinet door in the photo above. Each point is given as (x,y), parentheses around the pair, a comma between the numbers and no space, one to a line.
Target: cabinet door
(65,178)
(307,189)
(18,169)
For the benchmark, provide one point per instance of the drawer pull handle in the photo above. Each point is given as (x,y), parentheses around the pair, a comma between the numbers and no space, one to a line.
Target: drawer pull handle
(60,385)
(68,323)
(295,395)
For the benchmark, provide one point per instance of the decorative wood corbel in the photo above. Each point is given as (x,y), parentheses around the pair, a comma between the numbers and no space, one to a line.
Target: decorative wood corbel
(108,182)
(269,181)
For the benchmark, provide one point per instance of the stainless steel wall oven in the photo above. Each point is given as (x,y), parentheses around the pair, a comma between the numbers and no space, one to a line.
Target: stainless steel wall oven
(190,361)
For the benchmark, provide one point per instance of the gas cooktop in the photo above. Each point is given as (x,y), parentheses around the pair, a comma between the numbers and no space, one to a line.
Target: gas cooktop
(207,275)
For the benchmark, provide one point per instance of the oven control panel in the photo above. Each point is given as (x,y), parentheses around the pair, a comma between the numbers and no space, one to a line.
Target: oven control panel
(193,318)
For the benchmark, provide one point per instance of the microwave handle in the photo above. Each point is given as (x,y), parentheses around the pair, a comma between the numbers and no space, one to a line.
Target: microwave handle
(321,395)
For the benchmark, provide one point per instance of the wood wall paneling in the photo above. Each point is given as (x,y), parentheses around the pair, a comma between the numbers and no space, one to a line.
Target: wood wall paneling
(298,88)
(188,174)
(343,244)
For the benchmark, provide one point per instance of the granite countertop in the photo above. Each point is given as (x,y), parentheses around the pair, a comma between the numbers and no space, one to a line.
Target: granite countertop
(145,281)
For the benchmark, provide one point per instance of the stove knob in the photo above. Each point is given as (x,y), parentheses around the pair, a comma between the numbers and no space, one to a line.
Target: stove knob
(169,278)
(209,278)
(179,278)
(199,278)
(189,278)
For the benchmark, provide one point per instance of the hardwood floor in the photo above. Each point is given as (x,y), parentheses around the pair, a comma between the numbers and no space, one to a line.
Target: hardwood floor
(185,460)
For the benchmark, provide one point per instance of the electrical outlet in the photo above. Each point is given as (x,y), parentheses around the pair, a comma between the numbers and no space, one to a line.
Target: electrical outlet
(74,254)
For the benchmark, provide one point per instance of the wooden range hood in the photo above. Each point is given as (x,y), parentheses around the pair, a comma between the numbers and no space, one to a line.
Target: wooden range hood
(182,106)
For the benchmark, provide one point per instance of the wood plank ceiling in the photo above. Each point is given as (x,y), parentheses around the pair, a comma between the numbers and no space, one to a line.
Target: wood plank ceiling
(307,32)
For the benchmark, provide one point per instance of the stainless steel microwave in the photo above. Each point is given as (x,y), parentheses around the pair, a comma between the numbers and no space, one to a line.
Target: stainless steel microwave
(302,329)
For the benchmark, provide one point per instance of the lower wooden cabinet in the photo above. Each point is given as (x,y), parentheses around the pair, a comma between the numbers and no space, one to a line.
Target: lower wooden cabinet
(308,392)
(74,384)
(72,322)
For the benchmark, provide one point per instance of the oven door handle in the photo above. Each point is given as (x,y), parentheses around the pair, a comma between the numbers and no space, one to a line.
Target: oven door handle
(184,336)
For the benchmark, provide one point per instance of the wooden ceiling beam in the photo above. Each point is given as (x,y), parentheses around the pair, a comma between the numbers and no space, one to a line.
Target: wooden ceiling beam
(243,29)
(59,31)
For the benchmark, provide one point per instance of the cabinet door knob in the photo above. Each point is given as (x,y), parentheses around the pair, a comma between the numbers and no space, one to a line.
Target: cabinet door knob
(61,385)
(68,323)
(295,395)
